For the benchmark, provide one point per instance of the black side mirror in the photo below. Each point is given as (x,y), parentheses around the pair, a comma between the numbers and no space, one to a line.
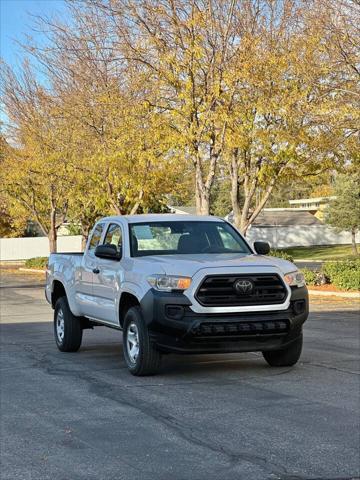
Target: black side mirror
(107,251)
(262,248)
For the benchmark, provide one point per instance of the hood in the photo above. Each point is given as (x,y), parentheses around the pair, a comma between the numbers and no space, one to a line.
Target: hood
(188,264)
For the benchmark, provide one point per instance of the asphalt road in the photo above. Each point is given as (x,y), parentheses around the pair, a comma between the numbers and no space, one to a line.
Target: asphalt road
(82,416)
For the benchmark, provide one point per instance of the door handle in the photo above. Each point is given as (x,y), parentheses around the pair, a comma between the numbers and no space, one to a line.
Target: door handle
(96,270)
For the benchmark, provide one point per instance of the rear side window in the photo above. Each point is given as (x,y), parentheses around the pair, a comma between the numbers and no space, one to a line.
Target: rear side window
(114,237)
(96,236)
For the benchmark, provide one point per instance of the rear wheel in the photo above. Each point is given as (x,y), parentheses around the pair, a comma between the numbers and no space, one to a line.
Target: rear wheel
(285,357)
(141,356)
(67,327)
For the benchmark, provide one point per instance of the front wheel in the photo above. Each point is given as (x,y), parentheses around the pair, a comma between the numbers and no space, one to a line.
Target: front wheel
(67,327)
(286,357)
(141,356)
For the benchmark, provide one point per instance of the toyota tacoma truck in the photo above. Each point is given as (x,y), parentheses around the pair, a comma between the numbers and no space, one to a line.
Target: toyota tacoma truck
(178,283)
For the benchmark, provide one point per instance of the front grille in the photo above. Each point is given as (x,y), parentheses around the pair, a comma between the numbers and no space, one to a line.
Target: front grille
(223,290)
(242,328)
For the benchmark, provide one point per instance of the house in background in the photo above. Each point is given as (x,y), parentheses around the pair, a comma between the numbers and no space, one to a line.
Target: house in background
(284,228)
(284,217)
(287,227)
(316,206)
(292,227)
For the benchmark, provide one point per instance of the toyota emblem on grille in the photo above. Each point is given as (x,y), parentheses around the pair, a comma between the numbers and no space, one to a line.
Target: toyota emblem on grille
(243,286)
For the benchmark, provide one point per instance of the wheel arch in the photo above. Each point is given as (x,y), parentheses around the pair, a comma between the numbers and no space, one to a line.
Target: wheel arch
(127,300)
(61,288)
(58,291)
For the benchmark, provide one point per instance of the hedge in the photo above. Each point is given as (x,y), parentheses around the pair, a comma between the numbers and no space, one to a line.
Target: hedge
(37,262)
(345,275)
(310,276)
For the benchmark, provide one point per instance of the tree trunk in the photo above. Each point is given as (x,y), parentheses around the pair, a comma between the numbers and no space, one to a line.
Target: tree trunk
(202,194)
(53,232)
(244,216)
(202,204)
(235,204)
(247,219)
(353,242)
(241,206)
(245,211)
(84,239)
(244,219)
(235,190)
(85,230)
(137,204)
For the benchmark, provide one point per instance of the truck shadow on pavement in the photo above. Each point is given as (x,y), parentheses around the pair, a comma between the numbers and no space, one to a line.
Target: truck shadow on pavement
(102,349)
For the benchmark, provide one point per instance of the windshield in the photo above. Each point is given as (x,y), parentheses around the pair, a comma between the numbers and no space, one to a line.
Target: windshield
(184,237)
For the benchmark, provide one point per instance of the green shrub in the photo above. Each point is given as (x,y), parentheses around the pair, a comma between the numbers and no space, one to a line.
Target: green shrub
(37,262)
(344,274)
(281,254)
(310,276)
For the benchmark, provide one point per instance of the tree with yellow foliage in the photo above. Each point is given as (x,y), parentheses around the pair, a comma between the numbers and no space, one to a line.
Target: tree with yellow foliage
(93,144)
(184,48)
(280,125)
(35,173)
(140,94)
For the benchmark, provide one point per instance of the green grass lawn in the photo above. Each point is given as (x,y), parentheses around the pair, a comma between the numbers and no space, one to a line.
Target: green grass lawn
(321,252)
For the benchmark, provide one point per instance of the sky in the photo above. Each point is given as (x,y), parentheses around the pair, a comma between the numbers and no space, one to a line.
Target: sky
(16,21)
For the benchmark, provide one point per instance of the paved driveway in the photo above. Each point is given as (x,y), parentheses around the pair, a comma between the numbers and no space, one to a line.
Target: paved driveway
(83,416)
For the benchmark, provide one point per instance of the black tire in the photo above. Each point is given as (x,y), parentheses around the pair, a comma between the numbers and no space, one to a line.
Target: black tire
(147,360)
(286,357)
(70,339)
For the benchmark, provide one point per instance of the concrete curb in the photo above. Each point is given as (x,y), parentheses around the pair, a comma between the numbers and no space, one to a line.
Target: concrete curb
(335,294)
(33,270)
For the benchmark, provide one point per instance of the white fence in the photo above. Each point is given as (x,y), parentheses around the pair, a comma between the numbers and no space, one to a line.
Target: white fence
(12,249)
(294,236)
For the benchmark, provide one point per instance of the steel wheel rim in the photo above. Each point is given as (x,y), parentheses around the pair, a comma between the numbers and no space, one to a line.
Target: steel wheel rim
(132,342)
(60,325)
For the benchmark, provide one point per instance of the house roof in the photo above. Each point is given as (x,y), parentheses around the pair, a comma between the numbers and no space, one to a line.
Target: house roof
(183,209)
(285,218)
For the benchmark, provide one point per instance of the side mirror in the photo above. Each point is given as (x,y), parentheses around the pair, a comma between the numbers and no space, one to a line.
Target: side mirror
(262,248)
(107,251)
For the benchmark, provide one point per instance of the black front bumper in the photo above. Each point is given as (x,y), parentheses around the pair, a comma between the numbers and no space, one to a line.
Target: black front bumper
(174,327)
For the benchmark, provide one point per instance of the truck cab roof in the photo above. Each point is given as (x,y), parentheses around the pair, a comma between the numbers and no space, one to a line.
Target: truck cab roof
(161,217)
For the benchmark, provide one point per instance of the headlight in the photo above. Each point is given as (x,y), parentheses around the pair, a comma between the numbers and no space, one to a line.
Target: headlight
(167,283)
(295,279)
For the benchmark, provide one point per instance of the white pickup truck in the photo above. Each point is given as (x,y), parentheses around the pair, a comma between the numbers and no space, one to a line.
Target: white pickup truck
(176,283)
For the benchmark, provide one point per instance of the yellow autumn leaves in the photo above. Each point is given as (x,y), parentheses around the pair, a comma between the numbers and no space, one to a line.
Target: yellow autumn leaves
(143,102)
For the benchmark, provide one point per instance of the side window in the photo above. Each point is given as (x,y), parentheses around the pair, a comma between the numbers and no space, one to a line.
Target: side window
(96,236)
(114,237)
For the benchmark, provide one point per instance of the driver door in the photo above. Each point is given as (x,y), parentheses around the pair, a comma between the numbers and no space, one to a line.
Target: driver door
(84,278)
(106,283)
